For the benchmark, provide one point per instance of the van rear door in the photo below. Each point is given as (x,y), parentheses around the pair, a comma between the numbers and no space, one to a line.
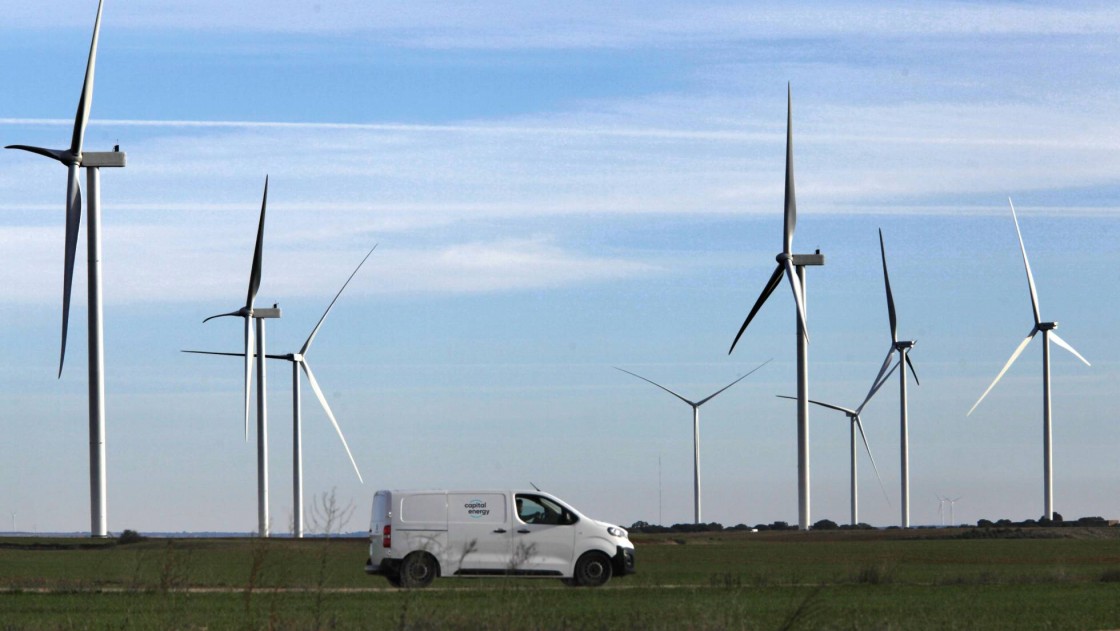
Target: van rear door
(478,525)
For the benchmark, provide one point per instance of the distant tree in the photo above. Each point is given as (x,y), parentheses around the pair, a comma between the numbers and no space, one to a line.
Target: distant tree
(825,524)
(779,525)
(984,523)
(1092,521)
(762,527)
(130,536)
(1058,518)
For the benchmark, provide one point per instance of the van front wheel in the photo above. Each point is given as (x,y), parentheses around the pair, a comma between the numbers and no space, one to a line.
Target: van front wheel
(593,569)
(418,569)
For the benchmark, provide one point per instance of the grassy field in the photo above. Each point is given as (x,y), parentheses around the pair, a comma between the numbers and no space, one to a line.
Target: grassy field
(918,579)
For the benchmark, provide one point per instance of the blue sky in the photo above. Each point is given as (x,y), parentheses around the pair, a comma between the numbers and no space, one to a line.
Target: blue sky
(556,190)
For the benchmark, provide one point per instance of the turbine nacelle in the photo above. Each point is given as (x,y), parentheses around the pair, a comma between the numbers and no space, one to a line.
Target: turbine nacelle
(1046,326)
(902,345)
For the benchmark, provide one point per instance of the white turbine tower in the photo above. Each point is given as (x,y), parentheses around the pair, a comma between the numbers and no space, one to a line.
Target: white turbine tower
(951,503)
(793,266)
(298,361)
(902,347)
(249,312)
(74,158)
(695,405)
(1047,329)
(855,424)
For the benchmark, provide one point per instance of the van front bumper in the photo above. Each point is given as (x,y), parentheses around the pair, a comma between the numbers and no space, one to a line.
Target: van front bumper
(623,561)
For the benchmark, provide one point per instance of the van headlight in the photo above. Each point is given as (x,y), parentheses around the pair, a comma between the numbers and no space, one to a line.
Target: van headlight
(615,531)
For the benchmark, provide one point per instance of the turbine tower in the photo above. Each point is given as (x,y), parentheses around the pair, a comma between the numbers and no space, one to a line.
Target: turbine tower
(855,424)
(951,503)
(695,405)
(902,347)
(793,265)
(74,158)
(299,360)
(1048,334)
(250,313)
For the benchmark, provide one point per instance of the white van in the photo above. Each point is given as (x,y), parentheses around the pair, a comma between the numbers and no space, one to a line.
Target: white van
(416,536)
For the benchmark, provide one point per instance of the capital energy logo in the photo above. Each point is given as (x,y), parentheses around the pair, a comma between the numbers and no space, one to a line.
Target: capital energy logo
(476,509)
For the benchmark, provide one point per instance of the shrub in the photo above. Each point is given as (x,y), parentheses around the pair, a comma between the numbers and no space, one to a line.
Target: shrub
(130,536)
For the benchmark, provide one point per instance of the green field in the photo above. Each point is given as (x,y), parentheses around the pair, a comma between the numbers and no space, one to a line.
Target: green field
(917,579)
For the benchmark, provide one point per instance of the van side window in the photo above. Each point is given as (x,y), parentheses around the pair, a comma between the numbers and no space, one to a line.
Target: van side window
(534,509)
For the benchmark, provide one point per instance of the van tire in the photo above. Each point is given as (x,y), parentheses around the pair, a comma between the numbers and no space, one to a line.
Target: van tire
(418,569)
(593,569)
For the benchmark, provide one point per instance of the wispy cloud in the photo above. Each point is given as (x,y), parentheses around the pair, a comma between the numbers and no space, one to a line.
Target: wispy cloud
(505,24)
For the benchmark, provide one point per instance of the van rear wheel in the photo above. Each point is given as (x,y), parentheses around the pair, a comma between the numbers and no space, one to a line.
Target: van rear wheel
(418,569)
(593,569)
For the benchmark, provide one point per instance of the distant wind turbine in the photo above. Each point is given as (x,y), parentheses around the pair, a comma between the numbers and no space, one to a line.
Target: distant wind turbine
(74,158)
(1047,329)
(250,312)
(793,266)
(951,502)
(695,405)
(855,424)
(298,361)
(902,347)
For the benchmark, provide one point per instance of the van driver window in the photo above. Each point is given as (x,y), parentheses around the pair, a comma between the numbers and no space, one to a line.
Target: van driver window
(534,509)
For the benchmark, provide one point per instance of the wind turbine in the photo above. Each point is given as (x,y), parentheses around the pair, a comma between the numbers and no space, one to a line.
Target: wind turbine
(941,508)
(902,347)
(74,158)
(250,312)
(695,405)
(1047,329)
(793,266)
(298,361)
(951,502)
(855,423)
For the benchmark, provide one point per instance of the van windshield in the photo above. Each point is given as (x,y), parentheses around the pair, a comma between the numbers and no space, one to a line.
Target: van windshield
(534,509)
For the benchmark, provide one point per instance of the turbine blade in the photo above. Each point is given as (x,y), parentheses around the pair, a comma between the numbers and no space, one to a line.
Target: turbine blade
(50,153)
(223,315)
(327,408)
(771,285)
(881,376)
(876,386)
(73,223)
(258,253)
(1026,264)
(1014,356)
(658,385)
(798,297)
(912,371)
(713,395)
(890,297)
(1060,342)
(311,338)
(822,404)
(250,353)
(866,446)
(791,198)
(215,353)
(81,119)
